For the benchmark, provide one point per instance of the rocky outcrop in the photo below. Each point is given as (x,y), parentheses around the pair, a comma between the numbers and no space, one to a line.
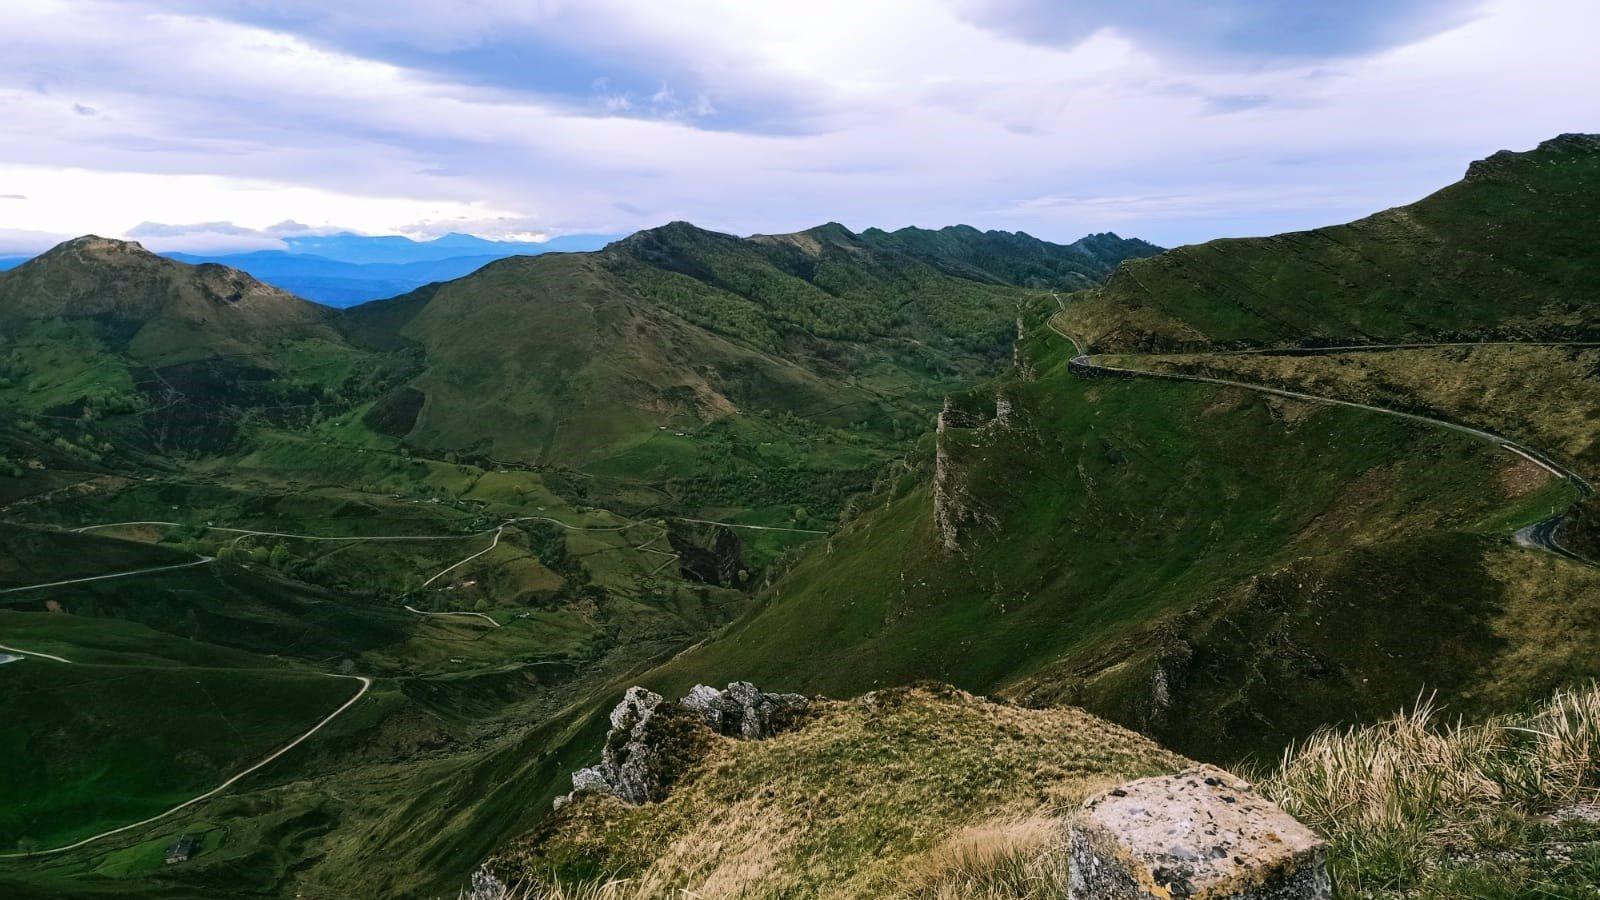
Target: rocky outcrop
(1201,834)
(485,885)
(742,711)
(955,510)
(652,740)
(948,486)
(1019,360)
(627,768)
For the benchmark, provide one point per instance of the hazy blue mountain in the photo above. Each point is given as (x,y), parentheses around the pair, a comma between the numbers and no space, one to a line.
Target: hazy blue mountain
(345,269)
(364,249)
(338,283)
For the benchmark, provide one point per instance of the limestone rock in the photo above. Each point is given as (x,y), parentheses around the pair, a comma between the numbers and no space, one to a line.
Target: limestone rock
(485,886)
(743,711)
(652,740)
(625,768)
(1201,834)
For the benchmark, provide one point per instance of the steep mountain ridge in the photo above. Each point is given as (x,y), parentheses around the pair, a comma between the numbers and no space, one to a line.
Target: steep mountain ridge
(1017,257)
(576,358)
(1505,253)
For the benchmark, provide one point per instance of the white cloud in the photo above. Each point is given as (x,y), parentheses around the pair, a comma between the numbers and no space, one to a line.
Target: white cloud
(76,201)
(905,113)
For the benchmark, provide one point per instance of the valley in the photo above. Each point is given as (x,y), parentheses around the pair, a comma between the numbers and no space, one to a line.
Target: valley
(490,535)
(343,596)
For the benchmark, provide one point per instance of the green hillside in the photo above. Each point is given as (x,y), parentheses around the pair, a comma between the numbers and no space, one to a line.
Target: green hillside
(109,744)
(1176,557)
(1505,253)
(116,351)
(576,358)
(761,380)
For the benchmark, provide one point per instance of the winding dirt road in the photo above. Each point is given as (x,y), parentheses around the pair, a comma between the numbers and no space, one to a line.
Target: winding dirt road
(1542,535)
(35,653)
(366,683)
(50,584)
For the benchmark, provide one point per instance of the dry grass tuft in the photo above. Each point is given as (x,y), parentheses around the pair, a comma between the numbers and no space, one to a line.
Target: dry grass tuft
(1398,797)
(1018,859)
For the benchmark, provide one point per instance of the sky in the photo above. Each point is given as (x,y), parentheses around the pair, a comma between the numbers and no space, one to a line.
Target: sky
(224,125)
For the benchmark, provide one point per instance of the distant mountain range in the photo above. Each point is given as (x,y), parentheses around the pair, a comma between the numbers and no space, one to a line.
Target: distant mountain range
(345,269)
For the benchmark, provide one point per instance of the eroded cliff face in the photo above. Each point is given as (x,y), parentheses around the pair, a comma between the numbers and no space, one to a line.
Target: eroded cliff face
(961,436)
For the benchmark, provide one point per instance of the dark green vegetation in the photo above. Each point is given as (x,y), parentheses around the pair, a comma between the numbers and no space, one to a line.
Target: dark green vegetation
(97,746)
(496,497)
(1508,252)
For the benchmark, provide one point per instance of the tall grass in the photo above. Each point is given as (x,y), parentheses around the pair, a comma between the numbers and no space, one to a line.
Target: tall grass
(1017,859)
(1022,859)
(1398,797)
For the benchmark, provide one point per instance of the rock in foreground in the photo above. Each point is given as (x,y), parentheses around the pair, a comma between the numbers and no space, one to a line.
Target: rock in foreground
(651,740)
(1201,834)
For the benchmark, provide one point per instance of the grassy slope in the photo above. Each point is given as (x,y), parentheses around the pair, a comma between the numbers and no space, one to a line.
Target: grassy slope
(1546,397)
(120,358)
(106,745)
(1143,526)
(34,556)
(1506,252)
(861,800)
(574,358)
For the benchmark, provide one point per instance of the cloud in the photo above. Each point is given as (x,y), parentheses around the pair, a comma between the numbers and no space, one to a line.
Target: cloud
(27,242)
(1232,103)
(602,58)
(512,117)
(1262,30)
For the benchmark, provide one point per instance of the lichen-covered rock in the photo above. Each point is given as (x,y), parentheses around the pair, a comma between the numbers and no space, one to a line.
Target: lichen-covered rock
(1201,834)
(744,711)
(485,886)
(626,764)
(652,741)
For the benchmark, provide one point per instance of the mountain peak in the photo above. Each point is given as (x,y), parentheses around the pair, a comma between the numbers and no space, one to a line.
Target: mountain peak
(653,242)
(93,276)
(1561,148)
(93,246)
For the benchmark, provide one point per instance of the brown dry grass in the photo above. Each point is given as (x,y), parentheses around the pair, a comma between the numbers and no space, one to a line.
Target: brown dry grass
(924,793)
(1397,797)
